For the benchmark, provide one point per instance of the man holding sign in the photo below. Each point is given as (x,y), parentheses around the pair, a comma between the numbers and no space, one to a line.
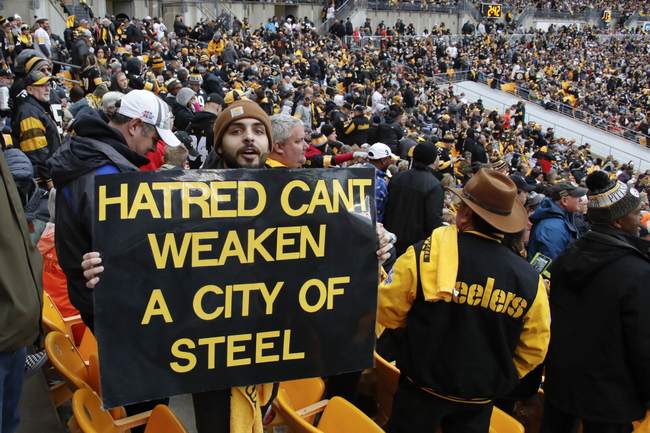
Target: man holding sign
(99,148)
(267,319)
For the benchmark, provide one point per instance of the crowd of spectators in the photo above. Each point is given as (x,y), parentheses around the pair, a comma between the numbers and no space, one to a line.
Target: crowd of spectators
(386,105)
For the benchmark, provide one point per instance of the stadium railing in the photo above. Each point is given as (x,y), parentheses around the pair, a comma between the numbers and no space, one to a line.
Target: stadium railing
(413,6)
(375,41)
(562,131)
(570,111)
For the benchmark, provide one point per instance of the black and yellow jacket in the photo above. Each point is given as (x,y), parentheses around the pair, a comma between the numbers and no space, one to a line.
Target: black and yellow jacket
(356,131)
(36,133)
(273,163)
(476,315)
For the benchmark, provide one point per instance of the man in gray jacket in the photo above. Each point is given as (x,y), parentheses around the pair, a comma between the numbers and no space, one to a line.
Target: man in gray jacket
(20,292)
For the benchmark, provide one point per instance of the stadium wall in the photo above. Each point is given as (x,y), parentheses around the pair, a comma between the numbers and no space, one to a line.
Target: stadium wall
(421,20)
(257,12)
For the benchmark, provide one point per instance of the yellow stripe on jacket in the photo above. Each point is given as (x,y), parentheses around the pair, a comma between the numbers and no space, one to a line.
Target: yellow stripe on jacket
(535,335)
(32,134)
(438,272)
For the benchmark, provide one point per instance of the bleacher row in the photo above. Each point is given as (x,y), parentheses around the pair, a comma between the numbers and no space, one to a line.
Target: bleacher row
(299,405)
(568,7)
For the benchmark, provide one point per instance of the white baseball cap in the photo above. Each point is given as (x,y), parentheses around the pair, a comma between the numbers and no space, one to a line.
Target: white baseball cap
(380,151)
(144,105)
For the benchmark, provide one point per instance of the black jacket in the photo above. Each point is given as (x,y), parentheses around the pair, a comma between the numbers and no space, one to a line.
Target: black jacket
(414,207)
(95,149)
(598,364)
(390,133)
(79,52)
(356,131)
(36,133)
(201,130)
(474,343)
(182,117)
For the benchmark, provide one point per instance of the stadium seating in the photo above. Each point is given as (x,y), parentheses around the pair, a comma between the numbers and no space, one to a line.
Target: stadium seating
(387,381)
(53,320)
(68,361)
(87,410)
(338,415)
(501,422)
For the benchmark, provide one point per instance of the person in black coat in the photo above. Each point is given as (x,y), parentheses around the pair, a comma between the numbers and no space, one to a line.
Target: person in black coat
(183,112)
(81,48)
(349,30)
(390,132)
(597,369)
(415,200)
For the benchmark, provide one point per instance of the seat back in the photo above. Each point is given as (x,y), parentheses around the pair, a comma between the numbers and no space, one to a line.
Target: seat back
(304,392)
(387,382)
(284,406)
(341,416)
(87,410)
(52,318)
(66,359)
(163,420)
(501,422)
(88,345)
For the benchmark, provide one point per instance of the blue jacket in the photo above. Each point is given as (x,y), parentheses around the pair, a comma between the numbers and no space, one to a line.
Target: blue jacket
(381,190)
(553,230)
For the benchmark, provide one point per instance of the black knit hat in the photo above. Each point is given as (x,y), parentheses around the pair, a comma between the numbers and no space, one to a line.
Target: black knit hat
(425,153)
(609,199)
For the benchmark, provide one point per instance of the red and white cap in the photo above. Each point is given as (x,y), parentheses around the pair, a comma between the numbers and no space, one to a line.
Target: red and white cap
(145,105)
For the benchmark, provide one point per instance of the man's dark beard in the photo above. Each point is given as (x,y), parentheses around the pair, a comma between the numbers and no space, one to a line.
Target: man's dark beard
(231,162)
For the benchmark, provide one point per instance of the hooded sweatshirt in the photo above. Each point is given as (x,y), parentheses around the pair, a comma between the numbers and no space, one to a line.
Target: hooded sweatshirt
(597,365)
(96,149)
(553,230)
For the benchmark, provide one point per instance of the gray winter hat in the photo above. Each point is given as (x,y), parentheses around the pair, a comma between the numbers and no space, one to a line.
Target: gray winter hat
(184,95)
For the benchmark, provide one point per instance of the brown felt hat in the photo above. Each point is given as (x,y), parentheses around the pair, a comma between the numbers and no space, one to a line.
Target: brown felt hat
(493,197)
(242,109)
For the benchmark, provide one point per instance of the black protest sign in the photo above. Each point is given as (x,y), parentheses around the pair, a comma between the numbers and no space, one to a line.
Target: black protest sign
(227,278)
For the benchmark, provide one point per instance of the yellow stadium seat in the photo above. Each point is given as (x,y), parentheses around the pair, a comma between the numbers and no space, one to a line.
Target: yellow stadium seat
(68,361)
(387,382)
(54,321)
(305,392)
(501,422)
(643,426)
(339,416)
(91,418)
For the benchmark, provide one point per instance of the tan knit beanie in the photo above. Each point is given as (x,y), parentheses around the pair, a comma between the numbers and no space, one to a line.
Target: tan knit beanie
(242,109)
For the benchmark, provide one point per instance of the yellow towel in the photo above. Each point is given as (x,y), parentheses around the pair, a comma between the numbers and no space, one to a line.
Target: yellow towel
(245,404)
(439,264)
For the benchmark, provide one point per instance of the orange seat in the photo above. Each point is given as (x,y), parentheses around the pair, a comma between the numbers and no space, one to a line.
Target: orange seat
(303,393)
(339,415)
(68,361)
(91,418)
(54,321)
(642,426)
(387,382)
(501,422)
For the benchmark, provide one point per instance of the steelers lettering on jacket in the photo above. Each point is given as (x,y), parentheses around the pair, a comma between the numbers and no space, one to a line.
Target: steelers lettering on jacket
(494,299)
